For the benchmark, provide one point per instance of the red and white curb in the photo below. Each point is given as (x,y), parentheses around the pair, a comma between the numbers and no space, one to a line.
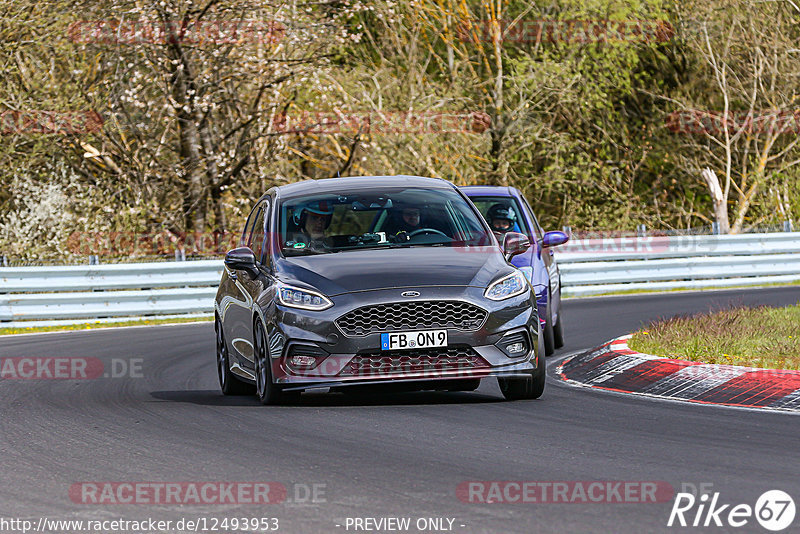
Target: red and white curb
(615,367)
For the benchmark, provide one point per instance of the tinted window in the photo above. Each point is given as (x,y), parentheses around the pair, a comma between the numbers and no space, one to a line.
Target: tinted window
(248,227)
(256,241)
(259,231)
(389,217)
(535,221)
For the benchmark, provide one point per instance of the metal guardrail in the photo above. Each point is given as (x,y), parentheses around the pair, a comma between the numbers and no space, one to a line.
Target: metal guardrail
(596,266)
(43,296)
(39,296)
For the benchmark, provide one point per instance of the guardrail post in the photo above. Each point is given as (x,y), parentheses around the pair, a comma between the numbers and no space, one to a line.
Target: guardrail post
(715,228)
(788,226)
(567,230)
(5,261)
(641,230)
(94,259)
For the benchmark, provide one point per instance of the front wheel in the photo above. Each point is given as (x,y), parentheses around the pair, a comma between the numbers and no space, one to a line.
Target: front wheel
(526,388)
(266,391)
(228,382)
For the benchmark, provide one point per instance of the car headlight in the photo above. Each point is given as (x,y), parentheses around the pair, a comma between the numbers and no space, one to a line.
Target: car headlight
(305,299)
(509,286)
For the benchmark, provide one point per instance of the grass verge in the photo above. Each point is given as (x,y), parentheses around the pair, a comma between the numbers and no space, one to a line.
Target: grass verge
(754,337)
(91,325)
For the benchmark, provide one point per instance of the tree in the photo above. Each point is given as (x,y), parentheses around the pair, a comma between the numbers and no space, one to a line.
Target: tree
(739,115)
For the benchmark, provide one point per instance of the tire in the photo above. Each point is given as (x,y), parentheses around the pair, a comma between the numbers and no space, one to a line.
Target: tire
(266,391)
(527,388)
(558,331)
(549,336)
(229,383)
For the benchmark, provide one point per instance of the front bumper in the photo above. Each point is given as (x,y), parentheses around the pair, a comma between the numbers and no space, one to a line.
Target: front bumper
(341,359)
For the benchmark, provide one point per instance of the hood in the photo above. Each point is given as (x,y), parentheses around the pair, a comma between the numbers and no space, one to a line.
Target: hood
(363,270)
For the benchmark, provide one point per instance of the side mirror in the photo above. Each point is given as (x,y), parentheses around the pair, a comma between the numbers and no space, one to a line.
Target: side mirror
(515,243)
(241,259)
(553,239)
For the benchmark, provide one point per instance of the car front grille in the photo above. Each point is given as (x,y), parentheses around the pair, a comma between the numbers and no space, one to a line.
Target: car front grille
(401,316)
(414,361)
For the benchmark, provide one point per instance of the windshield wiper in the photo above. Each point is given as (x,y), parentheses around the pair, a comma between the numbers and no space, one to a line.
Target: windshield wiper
(304,251)
(370,246)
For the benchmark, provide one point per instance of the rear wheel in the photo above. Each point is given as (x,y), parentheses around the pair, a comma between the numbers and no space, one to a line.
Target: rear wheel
(527,388)
(228,382)
(558,330)
(549,336)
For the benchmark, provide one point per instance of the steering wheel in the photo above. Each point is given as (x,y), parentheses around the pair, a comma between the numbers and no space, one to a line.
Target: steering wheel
(427,231)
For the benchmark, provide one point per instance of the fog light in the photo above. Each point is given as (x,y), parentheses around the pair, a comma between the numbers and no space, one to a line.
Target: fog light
(303,361)
(515,348)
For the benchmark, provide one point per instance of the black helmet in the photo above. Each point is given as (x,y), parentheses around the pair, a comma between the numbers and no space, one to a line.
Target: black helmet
(501,211)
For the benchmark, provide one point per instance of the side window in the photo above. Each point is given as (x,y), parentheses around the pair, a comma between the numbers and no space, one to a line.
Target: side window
(248,227)
(260,231)
(256,240)
(536,228)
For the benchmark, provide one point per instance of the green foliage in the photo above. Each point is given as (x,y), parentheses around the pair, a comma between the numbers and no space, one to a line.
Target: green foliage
(578,124)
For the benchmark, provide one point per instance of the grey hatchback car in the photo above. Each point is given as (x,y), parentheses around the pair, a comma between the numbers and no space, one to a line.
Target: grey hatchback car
(385,282)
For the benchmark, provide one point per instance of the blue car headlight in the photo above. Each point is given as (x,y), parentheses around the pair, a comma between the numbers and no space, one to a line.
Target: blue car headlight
(506,287)
(305,299)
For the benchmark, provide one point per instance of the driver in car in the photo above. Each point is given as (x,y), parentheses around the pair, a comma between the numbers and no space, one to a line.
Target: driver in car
(501,219)
(409,221)
(313,220)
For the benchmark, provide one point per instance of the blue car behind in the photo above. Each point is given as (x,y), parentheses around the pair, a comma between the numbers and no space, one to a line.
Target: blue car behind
(538,263)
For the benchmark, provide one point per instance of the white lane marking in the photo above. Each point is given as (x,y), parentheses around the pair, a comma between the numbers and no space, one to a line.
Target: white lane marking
(612,368)
(789,402)
(694,380)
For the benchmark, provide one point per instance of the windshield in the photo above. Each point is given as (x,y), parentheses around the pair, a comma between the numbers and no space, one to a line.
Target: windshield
(399,217)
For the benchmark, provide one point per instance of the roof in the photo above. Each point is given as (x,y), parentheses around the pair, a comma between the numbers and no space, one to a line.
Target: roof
(333,185)
(489,190)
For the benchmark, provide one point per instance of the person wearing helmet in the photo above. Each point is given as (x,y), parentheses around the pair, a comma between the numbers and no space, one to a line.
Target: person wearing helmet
(501,219)
(313,220)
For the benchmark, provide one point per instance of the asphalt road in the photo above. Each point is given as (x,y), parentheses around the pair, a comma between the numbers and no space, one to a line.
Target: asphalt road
(388,456)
